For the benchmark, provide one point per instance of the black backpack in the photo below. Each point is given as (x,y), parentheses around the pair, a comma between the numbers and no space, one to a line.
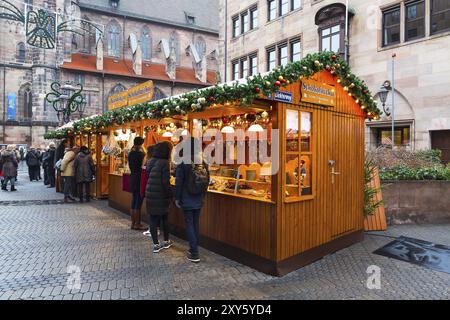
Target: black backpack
(197,179)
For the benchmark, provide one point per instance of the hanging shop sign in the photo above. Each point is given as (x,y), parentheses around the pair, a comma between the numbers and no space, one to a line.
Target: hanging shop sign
(12,106)
(318,93)
(282,96)
(118,100)
(141,93)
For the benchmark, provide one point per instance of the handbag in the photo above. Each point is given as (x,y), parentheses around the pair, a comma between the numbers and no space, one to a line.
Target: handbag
(58,164)
(144,179)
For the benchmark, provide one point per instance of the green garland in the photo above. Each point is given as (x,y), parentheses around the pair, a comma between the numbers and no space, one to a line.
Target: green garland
(199,100)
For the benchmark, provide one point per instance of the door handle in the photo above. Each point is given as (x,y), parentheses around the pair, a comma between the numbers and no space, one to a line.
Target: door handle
(333,174)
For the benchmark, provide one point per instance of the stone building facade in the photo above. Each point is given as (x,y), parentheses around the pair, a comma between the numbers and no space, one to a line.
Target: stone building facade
(173,43)
(258,35)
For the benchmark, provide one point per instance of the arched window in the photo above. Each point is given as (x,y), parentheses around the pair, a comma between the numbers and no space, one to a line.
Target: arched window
(200,46)
(174,44)
(158,94)
(25,103)
(116,89)
(331,22)
(21,52)
(146,44)
(114,39)
(88,35)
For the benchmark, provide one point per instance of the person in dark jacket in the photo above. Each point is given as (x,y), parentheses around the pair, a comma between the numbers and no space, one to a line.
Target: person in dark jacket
(84,172)
(45,167)
(135,162)
(40,154)
(51,165)
(190,203)
(32,160)
(9,168)
(158,192)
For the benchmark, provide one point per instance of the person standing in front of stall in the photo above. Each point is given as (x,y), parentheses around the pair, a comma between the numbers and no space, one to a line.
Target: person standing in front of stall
(68,174)
(32,159)
(192,180)
(59,155)
(135,162)
(51,165)
(159,193)
(84,172)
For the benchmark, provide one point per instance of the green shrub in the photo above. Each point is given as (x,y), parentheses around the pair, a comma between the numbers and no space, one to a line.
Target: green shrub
(405,173)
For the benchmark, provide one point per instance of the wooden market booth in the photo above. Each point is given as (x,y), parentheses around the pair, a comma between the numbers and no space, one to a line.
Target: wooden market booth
(275,216)
(313,205)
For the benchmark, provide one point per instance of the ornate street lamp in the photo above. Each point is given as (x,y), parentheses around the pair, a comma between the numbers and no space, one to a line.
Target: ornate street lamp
(66,100)
(383,93)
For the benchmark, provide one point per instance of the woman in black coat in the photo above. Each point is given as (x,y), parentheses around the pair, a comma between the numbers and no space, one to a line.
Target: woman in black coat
(159,192)
(135,161)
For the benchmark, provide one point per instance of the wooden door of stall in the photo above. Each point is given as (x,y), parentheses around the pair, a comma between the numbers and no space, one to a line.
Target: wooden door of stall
(345,175)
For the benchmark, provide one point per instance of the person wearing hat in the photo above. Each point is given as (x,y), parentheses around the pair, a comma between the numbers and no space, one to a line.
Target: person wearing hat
(135,162)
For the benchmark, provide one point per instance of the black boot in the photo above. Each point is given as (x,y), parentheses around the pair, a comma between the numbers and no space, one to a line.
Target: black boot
(13,189)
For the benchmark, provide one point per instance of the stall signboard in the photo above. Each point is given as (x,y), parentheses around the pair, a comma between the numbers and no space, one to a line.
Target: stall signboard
(138,94)
(141,93)
(282,96)
(318,93)
(118,100)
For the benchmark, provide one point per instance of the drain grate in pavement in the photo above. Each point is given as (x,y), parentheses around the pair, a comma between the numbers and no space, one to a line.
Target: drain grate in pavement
(30,202)
(419,252)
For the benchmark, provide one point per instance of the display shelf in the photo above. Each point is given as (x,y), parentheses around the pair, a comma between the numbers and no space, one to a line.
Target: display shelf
(243,196)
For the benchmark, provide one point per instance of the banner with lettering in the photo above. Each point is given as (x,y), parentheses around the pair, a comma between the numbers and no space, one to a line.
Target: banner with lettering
(118,100)
(141,93)
(318,93)
(11,103)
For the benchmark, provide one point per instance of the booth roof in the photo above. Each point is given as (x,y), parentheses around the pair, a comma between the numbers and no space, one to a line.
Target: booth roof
(243,90)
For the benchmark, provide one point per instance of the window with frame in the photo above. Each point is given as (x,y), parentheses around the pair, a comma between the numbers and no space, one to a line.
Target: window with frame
(253,65)
(298,166)
(283,57)
(414,20)
(21,53)
(245,22)
(330,38)
(401,136)
(236,27)
(284,7)
(296,4)
(244,68)
(439,16)
(114,35)
(391,26)
(235,67)
(271,59)
(296,50)
(253,18)
(271,10)
(146,43)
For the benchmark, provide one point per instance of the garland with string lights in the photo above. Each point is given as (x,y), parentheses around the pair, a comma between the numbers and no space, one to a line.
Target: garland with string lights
(245,93)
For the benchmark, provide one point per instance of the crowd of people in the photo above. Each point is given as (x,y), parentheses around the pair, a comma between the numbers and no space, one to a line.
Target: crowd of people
(76,167)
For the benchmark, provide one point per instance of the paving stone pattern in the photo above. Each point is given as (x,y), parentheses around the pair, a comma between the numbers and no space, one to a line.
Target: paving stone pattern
(40,243)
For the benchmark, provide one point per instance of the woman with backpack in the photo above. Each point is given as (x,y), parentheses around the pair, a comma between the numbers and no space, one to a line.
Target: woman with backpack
(192,180)
(158,192)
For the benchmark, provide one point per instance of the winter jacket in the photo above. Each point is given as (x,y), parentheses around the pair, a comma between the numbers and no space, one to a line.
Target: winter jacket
(159,191)
(187,200)
(32,158)
(9,162)
(135,159)
(51,158)
(67,164)
(84,167)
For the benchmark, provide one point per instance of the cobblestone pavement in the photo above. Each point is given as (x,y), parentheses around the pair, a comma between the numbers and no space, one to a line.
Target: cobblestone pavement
(40,241)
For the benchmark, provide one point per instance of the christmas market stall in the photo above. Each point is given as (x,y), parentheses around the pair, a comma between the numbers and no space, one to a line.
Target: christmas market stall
(289,190)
